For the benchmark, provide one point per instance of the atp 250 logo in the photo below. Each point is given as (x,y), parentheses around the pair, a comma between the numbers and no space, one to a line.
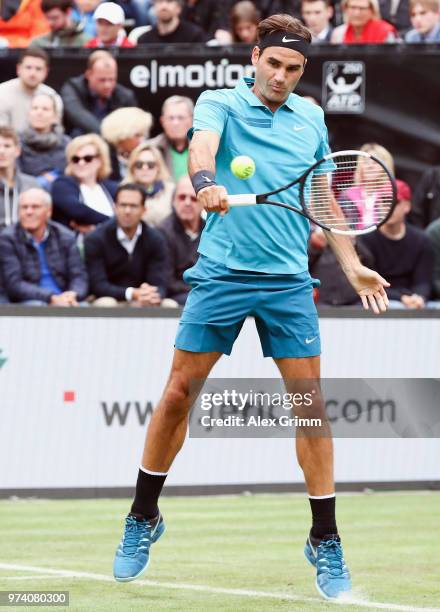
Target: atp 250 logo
(343,87)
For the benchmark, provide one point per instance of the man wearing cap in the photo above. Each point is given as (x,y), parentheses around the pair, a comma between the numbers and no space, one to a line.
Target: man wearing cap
(403,254)
(109,18)
(253,262)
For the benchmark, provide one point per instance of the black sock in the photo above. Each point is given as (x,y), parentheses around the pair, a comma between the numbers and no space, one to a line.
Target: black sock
(324,518)
(148,489)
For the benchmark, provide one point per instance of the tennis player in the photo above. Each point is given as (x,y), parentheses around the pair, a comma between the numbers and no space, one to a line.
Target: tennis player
(253,261)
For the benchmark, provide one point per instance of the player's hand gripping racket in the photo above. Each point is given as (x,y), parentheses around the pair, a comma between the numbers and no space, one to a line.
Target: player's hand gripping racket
(348,192)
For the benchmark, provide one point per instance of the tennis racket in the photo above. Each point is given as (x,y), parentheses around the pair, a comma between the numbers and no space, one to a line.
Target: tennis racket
(348,192)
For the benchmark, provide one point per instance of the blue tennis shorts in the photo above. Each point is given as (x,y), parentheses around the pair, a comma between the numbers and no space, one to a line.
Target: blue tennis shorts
(221,299)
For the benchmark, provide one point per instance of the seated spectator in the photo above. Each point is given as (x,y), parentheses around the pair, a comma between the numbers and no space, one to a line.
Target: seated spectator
(244,18)
(12,181)
(147,168)
(335,290)
(126,259)
(21,21)
(40,261)
(124,129)
(367,188)
(402,254)
(426,199)
(43,142)
(433,232)
(425,20)
(170,27)
(317,15)
(16,95)
(90,97)
(176,119)
(83,197)
(363,24)
(182,229)
(210,16)
(64,32)
(83,12)
(109,18)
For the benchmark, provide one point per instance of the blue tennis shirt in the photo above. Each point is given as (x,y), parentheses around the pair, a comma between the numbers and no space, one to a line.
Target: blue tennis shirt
(283,145)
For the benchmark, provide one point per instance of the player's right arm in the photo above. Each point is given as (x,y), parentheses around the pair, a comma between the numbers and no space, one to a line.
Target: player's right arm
(202,151)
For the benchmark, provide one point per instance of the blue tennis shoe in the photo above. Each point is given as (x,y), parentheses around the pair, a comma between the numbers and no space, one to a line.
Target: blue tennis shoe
(133,553)
(332,575)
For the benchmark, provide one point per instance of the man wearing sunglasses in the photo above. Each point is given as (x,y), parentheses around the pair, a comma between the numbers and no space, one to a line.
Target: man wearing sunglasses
(182,229)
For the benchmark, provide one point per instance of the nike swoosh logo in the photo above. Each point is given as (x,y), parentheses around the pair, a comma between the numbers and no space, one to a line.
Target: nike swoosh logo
(298,128)
(207,179)
(286,40)
(310,340)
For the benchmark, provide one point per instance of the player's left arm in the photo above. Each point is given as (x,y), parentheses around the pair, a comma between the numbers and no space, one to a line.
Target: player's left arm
(368,284)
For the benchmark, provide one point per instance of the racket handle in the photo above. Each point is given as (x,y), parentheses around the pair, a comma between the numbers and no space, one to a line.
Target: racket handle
(242,199)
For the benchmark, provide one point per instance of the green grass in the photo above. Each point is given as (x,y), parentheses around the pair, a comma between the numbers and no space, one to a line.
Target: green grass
(248,542)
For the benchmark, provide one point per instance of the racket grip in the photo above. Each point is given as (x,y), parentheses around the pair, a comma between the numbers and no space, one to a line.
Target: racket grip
(242,199)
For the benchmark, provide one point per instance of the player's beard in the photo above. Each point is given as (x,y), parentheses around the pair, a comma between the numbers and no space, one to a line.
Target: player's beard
(276,95)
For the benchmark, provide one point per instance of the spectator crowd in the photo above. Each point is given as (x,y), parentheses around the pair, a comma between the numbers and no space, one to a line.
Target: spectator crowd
(95,211)
(92,210)
(128,23)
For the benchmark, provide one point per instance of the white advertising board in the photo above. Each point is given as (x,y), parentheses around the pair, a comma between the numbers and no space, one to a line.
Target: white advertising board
(77,392)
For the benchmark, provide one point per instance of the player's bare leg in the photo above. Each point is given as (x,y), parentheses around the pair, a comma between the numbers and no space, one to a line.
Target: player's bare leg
(314,448)
(315,454)
(144,524)
(167,430)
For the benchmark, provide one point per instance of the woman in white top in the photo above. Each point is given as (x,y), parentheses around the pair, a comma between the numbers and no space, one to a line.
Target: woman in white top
(83,197)
(147,167)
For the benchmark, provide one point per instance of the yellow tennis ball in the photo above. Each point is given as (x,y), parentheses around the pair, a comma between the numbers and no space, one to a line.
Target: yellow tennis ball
(243,167)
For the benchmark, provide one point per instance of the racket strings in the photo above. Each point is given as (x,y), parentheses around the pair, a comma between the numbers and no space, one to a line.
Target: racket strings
(349,192)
